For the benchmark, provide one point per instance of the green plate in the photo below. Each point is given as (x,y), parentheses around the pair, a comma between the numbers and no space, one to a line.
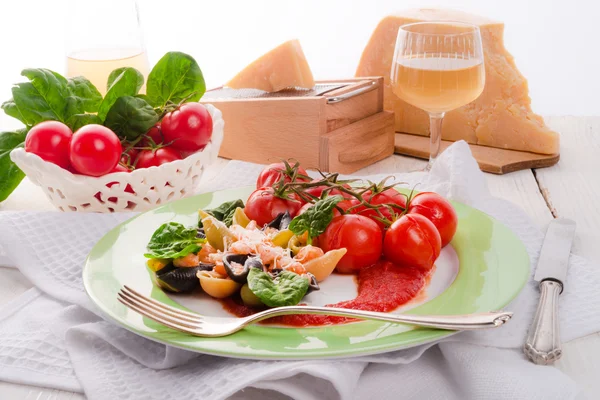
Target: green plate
(493,267)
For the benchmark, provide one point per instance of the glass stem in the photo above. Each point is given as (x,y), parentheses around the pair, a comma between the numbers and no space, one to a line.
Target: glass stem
(435,129)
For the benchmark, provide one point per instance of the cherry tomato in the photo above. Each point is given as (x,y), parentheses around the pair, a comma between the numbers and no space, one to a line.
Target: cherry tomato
(439,211)
(272,174)
(155,134)
(128,157)
(361,237)
(189,128)
(263,206)
(154,158)
(50,140)
(412,240)
(388,196)
(95,150)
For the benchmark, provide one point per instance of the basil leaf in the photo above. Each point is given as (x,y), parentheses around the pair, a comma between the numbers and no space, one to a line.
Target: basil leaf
(10,174)
(129,117)
(83,96)
(76,121)
(52,87)
(115,74)
(125,84)
(224,212)
(173,240)
(315,219)
(287,289)
(11,109)
(174,78)
(33,106)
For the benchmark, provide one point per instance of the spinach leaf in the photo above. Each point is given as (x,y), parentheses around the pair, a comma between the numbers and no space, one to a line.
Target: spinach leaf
(10,174)
(316,219)
(52,87)
(83,96)
(224,212)
(174,78)
(287,289)
(11,109)
(125,84)
(173,240)
(115,74)
(33,106)
(129,117)
(76,121)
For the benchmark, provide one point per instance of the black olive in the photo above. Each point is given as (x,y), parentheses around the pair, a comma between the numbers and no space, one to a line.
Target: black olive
(201,234)
(286,219)
(275,272)
(276,222)
(246,260)
(313,284)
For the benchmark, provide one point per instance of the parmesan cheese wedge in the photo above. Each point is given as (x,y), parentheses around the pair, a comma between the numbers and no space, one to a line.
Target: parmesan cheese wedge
(283,67)
(500,117)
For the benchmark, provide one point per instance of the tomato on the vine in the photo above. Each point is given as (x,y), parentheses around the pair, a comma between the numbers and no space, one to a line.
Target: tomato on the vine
(273,173)
(439,211)
(361,237)
(263,206)
(51,141)
(317,191)
(189,128)
(128,157)
(95,150)
(390,197)
(156,157)
(412,240)
(153,136)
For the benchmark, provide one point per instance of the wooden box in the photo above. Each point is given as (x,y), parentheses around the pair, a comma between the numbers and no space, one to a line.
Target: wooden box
(337,126)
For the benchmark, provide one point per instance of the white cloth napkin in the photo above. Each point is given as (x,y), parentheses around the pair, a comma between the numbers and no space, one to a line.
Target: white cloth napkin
(51,335)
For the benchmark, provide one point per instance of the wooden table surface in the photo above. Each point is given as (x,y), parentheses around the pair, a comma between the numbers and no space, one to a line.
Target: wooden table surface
(569,189)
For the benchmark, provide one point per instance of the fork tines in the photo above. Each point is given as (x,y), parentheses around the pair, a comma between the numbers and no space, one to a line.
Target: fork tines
(159,312)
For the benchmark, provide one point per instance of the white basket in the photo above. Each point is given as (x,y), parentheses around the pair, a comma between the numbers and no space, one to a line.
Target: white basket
(152,186)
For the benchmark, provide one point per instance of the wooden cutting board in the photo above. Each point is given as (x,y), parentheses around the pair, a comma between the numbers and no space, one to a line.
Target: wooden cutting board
(490,159)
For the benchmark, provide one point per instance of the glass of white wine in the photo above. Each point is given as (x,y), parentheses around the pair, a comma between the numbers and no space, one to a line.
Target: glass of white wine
(438,67)
(103,35)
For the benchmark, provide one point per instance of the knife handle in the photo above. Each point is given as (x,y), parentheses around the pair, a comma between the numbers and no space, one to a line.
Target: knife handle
(542,345)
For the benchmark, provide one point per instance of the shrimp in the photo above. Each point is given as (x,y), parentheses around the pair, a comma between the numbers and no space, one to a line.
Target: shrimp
(205,252)
(191,260)
(241,247)
(308,253)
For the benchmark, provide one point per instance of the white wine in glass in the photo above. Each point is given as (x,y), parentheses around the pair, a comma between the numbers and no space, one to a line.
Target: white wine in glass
(438,67)
(111,39)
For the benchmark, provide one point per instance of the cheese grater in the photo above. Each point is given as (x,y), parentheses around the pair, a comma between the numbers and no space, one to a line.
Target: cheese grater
(338,125)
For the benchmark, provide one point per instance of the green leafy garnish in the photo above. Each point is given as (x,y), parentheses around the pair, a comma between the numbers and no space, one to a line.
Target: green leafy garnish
(76,121)
(129,117)
(125,84)
(176,77)
(287,289)
(11,174)
(112,77)
(224,212)
(173,240)
(84,97)
(315,219)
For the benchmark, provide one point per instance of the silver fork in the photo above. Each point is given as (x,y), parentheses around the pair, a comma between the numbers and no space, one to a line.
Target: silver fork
(199,325)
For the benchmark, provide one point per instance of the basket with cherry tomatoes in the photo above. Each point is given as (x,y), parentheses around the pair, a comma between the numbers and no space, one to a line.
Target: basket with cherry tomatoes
(121,151)
(370,220)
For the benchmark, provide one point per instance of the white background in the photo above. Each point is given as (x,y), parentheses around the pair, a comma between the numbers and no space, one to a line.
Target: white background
(554,42)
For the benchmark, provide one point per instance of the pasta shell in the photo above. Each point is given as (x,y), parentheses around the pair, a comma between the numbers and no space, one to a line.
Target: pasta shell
(240,218)
(217,232)
(282,238)
(322,267)
(215,286)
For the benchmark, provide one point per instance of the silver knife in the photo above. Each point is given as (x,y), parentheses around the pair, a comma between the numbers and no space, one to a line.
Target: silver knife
(542,345)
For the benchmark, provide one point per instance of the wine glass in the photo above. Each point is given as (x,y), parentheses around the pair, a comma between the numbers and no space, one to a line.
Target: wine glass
(438,67)
(103,35)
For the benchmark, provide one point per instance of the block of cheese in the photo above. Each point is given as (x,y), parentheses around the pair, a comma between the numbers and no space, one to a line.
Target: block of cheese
(283,67)
(500,117)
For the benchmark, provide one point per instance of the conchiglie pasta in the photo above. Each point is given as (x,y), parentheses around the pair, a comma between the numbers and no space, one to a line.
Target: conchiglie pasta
(321,267)
(217,233)
(215,286)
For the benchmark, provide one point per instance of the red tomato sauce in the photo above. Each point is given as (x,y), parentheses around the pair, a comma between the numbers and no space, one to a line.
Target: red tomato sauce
(383,287)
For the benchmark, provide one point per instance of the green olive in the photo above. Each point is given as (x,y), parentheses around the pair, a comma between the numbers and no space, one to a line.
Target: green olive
(249,298)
